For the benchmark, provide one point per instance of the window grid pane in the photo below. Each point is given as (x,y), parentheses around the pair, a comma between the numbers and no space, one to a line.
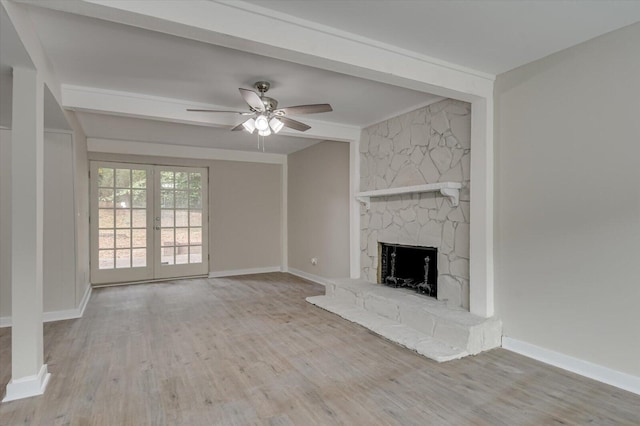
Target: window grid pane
(122,208)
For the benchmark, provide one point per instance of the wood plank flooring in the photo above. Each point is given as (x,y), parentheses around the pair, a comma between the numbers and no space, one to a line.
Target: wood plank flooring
(249,350)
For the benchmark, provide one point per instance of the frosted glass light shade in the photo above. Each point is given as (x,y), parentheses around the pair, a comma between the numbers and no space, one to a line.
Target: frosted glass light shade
(265,132)
(262,123)
(249,125)
(276,125)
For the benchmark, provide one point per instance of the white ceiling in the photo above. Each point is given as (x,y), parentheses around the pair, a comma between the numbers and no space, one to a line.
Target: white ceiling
(493,36)
(488,36)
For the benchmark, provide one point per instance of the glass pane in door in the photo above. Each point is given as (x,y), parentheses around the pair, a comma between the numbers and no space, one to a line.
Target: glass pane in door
(122,218)
(180,217)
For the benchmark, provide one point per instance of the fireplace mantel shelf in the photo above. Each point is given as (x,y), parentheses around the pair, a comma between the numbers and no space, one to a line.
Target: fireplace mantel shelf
(448,189)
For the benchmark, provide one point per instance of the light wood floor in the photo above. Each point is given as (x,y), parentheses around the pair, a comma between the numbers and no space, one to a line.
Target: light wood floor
(249,350)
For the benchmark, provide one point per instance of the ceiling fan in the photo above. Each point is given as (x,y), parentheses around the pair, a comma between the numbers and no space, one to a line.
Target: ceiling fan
(266,117)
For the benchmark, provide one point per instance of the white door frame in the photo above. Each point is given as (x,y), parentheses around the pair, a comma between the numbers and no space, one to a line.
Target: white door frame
(153,270)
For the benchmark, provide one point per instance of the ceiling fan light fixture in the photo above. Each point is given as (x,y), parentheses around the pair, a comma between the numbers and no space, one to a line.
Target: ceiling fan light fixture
(276,125)
(262,123)
(265,132)
(249,125)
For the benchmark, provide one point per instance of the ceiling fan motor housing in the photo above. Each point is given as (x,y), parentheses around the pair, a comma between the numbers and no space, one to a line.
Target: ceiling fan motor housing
(262,87)
(270,104)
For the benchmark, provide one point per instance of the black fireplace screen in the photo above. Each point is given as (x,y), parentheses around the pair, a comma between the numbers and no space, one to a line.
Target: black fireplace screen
(409,267)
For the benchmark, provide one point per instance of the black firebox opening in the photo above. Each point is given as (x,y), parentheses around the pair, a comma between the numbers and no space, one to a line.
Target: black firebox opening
(410,267)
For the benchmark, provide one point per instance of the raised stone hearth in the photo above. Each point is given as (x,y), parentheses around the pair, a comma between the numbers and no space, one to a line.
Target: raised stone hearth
(417,322)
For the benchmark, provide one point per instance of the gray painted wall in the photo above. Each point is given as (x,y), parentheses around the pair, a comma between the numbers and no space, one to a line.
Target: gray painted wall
(318,209)
(244,209)
(63,286)
(245,216)
(567,201)
(59,282)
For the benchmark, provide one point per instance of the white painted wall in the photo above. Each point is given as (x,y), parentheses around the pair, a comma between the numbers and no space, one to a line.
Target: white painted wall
(567,202)
(318,209)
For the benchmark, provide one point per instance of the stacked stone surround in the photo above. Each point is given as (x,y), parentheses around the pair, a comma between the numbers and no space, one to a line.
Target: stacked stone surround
(428,145)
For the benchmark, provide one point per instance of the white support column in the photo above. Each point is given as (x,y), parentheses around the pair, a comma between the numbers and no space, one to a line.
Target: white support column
(284,221)
(29,376)
(354,208)
(481,224)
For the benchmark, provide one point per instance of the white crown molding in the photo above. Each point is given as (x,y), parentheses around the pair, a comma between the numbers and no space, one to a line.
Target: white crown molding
(138,105)
(116,146)
(575,365)
(29,386)
(248,271)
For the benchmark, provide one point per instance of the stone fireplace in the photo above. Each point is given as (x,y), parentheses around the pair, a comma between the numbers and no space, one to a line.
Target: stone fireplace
(415,215)
(427,146)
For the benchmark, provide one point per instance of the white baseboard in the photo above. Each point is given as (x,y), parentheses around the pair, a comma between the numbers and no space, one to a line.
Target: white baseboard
(249,271)
(29,386)
(5,322)
(311,277)
(66,314)
(575,365)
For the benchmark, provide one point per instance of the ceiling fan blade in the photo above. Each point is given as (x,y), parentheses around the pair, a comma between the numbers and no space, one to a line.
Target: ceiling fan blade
(252,99)
(238,127)
(219,110)
(296,125)
(305,109)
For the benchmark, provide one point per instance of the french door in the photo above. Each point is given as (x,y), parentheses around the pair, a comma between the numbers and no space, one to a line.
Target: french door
(147,222)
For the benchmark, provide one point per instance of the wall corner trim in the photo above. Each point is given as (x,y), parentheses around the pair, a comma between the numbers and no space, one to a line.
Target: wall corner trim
(309,277)
(85,299)
(593,371)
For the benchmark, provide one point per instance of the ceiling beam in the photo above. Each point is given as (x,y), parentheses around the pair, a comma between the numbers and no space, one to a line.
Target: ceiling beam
(254,29)
(129,104)
(120,147)
(21,21)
